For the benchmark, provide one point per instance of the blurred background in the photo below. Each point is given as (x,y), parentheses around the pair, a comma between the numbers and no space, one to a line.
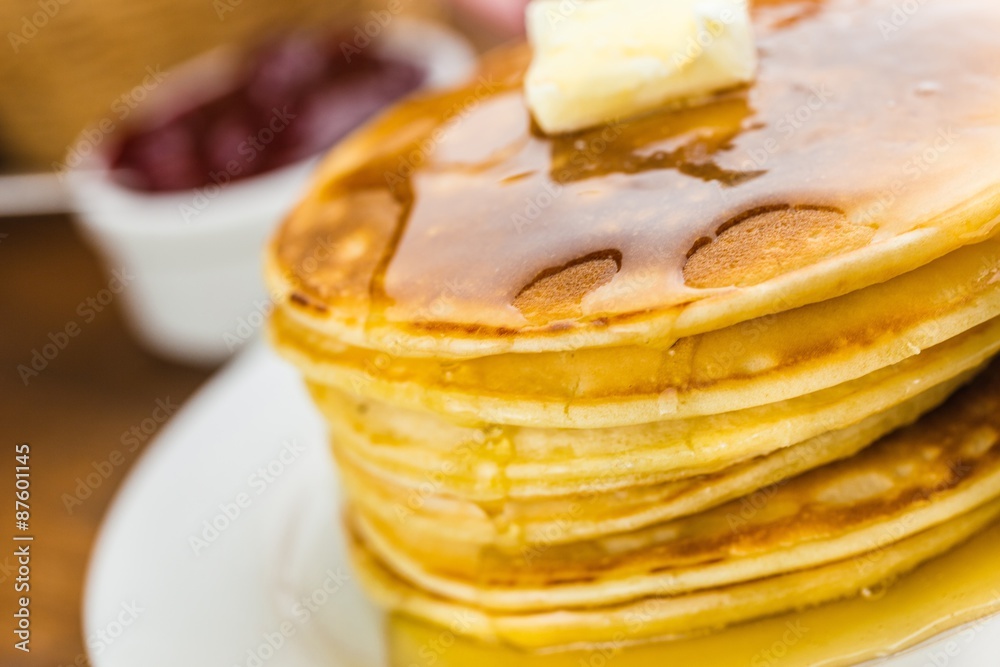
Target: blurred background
(147,149)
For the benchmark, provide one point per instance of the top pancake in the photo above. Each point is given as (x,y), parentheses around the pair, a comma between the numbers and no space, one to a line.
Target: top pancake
(452,227)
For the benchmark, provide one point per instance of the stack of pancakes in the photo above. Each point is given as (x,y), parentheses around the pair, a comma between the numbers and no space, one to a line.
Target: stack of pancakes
(673,373)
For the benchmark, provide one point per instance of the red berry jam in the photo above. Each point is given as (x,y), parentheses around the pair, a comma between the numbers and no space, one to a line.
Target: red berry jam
(292,100)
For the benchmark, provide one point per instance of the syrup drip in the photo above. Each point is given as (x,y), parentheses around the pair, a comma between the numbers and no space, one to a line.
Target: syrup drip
(957,588)
(890,131)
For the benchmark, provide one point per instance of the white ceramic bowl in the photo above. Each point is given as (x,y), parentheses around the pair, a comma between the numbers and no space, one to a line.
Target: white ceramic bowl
(196,292)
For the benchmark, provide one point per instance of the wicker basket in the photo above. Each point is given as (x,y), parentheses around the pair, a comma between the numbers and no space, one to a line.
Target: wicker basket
(69,61)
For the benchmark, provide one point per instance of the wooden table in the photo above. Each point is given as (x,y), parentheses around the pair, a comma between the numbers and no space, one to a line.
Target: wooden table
(73,414)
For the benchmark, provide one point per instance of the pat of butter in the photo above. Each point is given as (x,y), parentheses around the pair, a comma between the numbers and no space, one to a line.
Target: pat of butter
(597,61)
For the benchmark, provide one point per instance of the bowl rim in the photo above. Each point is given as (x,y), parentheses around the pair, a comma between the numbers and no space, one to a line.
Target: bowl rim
(103,203)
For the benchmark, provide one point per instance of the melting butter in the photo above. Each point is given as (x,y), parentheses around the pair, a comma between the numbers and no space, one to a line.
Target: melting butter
(597,61)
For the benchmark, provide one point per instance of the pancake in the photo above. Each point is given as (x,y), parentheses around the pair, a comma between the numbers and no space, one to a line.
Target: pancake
(494,462)
(664,618)
(682,371)
(426,512)
(755,363)
(946,465)
(451,228)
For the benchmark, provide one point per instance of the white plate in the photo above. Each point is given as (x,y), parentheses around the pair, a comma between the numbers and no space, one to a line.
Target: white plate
(151,600)
(215,607)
